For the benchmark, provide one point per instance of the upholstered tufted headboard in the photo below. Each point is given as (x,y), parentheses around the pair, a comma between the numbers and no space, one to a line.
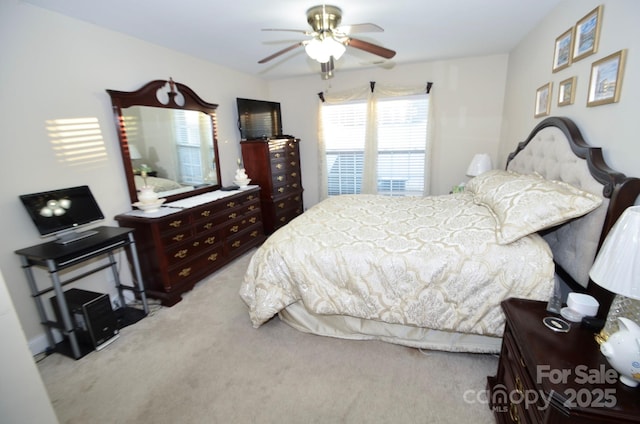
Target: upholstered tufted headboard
(556,150)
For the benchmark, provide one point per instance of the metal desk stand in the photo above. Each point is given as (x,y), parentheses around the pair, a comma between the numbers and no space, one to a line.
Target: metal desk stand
(56,257)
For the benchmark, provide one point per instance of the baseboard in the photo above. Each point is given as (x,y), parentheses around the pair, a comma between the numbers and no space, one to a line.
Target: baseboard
(39,343)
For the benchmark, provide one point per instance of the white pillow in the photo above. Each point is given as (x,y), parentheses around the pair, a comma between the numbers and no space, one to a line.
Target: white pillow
(523,204)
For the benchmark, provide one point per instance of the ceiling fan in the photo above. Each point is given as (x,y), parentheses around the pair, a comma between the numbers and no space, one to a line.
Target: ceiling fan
(329,40)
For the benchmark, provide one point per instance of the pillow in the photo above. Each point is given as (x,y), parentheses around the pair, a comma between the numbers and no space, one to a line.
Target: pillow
(524,204)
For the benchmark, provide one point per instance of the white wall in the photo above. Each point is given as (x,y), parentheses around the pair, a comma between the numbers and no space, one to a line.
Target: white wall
(28,401)
(614,127)
(467,97)
(54,67)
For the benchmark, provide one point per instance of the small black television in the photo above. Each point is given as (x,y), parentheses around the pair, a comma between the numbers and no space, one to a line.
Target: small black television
(258,119)
(61,212)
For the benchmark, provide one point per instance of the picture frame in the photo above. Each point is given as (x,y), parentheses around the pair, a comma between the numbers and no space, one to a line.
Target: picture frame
(587,34)
(605,82)
(563,50)
(567,91)
(543,100)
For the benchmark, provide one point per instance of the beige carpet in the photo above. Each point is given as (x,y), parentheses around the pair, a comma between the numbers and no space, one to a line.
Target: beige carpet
(202,362)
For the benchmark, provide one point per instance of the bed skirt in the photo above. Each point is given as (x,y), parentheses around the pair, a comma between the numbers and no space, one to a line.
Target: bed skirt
(347,327)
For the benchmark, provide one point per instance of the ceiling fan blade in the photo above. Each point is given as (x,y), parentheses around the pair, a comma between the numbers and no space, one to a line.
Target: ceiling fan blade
(371,48)
(358,28)
(301,31)
(281,52)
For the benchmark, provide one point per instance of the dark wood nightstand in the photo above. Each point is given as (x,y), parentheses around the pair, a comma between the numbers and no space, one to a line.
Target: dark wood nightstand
(546,376)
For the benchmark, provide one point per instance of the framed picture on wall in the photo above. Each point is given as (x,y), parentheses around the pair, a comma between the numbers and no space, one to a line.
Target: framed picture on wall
(562,52)
(605,82)
(587,34)
(543,101)
(567,91)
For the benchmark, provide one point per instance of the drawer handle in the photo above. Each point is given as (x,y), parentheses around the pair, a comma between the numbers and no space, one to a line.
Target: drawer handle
(294,174)
(279,166)
(208,226)
(513,413)
(522,362)
(281,205)
(212,257)
(176,224)
(177,237)
(181,254)
(293,163)
(252,207)
(185,272)
(205,213)
(281,190)
(253,219)
(280,178)
(254,233)
(283,219)
(292,153)
(291,145)
(519,386)
(276,155)
(295,185)
(196,243)
(297,198)
(233,215)
(250,197)
(236,243)
(231,204)
(210,240)
(234,229)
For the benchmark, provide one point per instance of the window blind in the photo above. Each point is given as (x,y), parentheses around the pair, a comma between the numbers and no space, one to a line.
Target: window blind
(402,133)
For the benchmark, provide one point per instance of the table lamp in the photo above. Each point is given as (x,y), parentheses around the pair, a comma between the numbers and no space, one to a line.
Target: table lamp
(480,164)
(617,269)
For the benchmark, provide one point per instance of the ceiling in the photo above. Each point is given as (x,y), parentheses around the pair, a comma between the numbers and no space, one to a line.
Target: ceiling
(229,32)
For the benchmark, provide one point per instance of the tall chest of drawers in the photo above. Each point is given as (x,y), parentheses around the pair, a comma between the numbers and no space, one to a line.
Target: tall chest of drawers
(274,164)
(179,247)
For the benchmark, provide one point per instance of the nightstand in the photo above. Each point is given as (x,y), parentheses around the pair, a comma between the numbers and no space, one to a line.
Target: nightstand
(546,376)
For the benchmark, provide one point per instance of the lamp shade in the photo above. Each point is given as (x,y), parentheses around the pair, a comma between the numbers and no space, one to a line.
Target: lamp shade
(617,266)
(322,50)
(134,153)
(480,164)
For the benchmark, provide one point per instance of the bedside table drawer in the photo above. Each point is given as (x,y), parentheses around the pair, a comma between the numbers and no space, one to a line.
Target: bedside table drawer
(524,396)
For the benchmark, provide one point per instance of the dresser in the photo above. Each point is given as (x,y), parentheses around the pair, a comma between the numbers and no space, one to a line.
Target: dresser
(547,376)
(178,246)
(274,164)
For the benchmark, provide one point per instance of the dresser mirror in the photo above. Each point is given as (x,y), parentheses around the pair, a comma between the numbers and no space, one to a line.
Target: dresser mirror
(168,140)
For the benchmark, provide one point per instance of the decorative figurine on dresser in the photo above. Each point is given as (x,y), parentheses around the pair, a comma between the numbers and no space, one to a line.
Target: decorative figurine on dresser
(274,164)
(194,228)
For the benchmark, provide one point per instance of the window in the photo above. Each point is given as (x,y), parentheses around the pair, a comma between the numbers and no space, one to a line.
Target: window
(401,139)
(192,156)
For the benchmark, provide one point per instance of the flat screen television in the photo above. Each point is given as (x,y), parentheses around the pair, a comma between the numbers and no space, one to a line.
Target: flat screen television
(62,212)
(258,119)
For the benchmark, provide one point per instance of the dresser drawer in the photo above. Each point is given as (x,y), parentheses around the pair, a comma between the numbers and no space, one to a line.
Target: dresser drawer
(195,266)
(245,239)
(293,201)
(181,221)
(241,224)
(170,239)
(284,217)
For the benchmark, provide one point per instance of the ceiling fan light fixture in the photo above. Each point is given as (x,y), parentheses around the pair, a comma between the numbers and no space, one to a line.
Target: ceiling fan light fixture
(322,50)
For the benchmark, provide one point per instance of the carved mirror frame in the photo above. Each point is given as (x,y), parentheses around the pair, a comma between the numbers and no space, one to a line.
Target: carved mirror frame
(167,95)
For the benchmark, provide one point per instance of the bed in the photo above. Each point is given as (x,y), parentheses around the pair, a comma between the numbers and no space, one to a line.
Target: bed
(430,272)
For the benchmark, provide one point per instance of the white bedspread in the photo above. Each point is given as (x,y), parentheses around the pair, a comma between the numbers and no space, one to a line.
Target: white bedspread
(421,261)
